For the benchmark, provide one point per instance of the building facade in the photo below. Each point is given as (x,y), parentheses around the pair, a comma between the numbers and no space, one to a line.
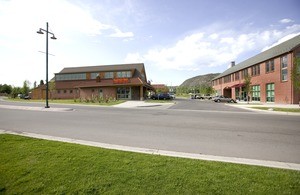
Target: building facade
(270,72)
(123,81)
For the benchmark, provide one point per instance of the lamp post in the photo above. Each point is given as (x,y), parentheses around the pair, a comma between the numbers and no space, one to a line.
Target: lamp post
(40,31)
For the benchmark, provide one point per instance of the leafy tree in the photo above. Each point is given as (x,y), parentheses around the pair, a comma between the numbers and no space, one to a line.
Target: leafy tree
(41,82)
(5,89)
(52,88)
(25,88)
(15,91)
(34,85)
(247,83)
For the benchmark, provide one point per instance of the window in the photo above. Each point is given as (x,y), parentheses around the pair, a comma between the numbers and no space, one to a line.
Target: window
(227,79)
(109,75)
(94,75)
(237,76)
(270,92)
(255,70)
(65,91)
(124,93)
(74,76)
(71,91)
(124,74)
(256,93)
(244,73)
(58,91)
(284,71)
(270,66)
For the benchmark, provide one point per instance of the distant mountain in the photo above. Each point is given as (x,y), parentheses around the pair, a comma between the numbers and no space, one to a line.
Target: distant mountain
(199,80)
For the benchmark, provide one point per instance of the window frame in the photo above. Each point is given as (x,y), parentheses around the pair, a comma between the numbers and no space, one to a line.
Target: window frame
(270,90)
(284,68)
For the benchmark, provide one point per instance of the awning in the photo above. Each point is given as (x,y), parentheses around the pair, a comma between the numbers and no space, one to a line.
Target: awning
(237,85)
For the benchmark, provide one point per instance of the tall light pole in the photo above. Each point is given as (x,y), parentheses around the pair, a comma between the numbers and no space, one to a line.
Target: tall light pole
(53,37)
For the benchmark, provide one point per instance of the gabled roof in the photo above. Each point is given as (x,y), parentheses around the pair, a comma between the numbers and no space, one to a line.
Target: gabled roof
(273,52)
(102,68)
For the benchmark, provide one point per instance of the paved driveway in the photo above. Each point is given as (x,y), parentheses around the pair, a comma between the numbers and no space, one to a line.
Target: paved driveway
(195,104)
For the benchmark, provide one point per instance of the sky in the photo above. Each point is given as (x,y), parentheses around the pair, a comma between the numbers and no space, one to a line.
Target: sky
(175,39)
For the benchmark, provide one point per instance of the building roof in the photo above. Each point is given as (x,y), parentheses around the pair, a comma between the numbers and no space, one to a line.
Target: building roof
(101,68)
(275,51)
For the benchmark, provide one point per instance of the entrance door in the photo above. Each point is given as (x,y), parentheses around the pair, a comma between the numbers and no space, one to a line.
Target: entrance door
(244,94)
(124,93)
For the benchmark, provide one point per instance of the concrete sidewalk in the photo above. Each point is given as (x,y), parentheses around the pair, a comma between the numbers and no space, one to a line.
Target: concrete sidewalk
(143,104)
(37,108)
(245,105)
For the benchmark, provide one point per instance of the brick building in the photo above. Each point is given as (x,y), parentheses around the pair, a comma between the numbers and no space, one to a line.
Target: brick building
(270,73)
(123,81)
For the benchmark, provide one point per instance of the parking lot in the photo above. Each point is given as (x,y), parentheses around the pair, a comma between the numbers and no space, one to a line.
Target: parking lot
(196,104)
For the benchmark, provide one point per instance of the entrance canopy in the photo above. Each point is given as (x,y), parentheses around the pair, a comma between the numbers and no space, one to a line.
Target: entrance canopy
(238,85)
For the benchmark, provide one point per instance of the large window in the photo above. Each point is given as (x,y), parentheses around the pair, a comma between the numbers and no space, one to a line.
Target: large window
(255,70)
(94,75)
(227,79)
(270,91)
(109,75)
(256,93)
(237,76)
(124,93)
(74,76)
(270,66)
(124,74)
(284,71)
(244,73)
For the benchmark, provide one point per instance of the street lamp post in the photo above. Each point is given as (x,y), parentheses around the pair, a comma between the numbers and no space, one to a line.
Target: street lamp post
(53,37)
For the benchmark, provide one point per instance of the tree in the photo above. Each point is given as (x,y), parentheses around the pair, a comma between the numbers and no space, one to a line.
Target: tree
(34,84)
(247,83)
(296,75)
(25,89)
(52,88)
(5,89)
(15,91)
(41,82)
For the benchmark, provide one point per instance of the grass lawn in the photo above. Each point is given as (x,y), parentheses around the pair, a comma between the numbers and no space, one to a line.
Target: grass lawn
(33,166)
(70,101)
(279,109)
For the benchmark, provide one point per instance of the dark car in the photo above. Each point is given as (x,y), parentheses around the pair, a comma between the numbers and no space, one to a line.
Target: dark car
(161,96)
(223,99)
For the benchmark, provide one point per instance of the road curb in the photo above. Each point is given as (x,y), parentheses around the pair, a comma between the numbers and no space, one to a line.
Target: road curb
(264,163)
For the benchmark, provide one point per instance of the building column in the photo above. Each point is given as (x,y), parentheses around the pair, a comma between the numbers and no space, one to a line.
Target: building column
(141,93)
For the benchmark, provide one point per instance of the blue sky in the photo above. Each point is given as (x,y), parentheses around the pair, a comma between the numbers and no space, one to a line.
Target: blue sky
(175,39)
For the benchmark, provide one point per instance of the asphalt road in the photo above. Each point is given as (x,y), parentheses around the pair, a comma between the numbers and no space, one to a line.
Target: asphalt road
(211,131)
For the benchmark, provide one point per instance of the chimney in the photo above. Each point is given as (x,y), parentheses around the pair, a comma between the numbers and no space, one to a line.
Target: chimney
(232,64)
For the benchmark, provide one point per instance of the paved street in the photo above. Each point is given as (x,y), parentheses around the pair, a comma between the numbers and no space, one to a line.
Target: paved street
(216,129)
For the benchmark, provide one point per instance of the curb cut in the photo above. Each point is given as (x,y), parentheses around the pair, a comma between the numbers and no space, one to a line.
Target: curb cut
(254,162)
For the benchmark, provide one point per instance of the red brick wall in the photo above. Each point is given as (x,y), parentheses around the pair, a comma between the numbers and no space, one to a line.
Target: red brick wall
(283,89)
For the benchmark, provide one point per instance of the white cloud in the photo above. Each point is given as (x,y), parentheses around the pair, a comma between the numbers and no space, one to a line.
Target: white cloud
(119,34)
(73,26)
(286,20)
(202,50)
(283,39)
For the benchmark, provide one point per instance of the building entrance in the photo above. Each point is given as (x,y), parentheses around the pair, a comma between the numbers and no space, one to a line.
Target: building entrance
(124,93)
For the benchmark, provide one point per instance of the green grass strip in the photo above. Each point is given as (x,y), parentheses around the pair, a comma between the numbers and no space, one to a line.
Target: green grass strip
(278,109)
(34,166)
(70,101)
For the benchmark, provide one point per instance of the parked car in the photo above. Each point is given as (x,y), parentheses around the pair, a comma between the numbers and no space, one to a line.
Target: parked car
(172,95)
(161,96)
(223,99)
